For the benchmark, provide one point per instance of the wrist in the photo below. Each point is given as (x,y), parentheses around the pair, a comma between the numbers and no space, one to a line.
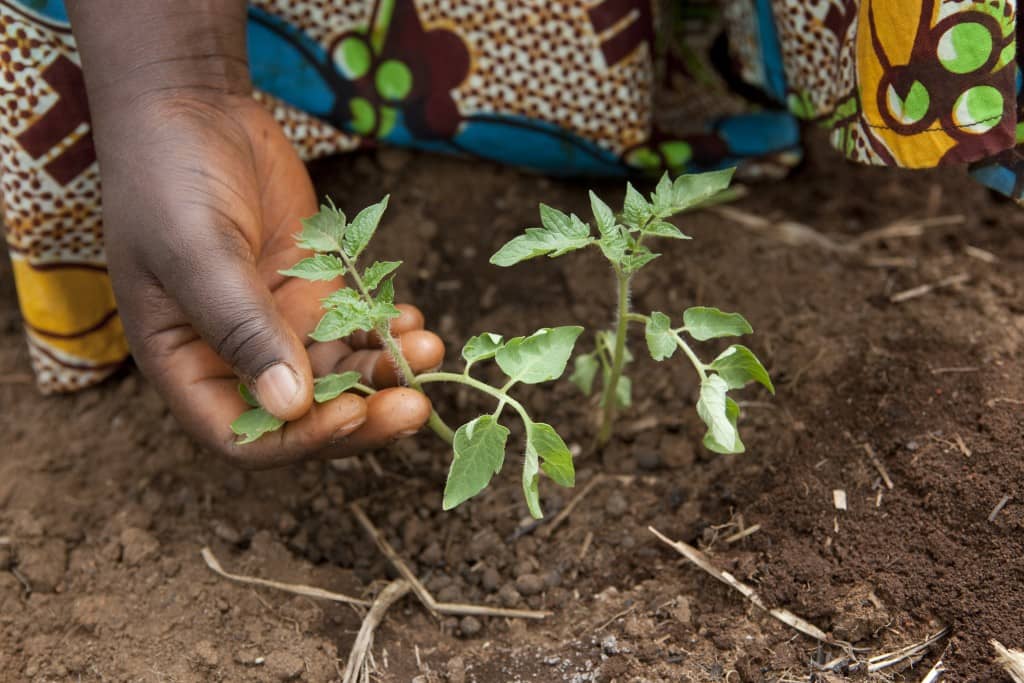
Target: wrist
(131,50)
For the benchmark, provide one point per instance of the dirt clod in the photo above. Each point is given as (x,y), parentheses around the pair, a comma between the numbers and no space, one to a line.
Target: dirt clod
(138,546)
(43,563)
(470,626)
(284,666)
(529,584)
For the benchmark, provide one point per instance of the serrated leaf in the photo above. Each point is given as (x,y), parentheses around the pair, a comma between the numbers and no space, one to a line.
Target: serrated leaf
(479,447)
(340,323)
(603,215)
(664,229)
(635,210)
(361,229)
(695,188)
(541,357)
(720,414)
(332,386)
(375,273)
(584,372)
(661,340)
(738,366)
(247,396)
(386,293)
(254,423)
(322,231)
(481,347)
(320,267)
(531,483)
(662,198)
(554,454)
(703,323)
(561,234)
(638,259)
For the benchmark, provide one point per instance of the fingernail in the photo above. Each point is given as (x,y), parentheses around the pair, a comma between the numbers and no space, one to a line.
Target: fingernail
(346,429)
(407,432)
(277,388)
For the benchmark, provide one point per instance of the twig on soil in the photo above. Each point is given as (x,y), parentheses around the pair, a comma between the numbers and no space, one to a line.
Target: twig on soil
(980,254)
(587,540)
(992,402)
(873,457)
(998,508)
(922,290)
(962,445)
(1011,660)
(618,615)
(934,674)
(417,587)
(905,227)
(839,499)
(887,659)
(789,232)
(785,616)
(743,533)
(955,369)
(391,594)
(557,520)
(295,588)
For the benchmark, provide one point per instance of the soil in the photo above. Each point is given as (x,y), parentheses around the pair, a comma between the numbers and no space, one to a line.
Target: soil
(104,503)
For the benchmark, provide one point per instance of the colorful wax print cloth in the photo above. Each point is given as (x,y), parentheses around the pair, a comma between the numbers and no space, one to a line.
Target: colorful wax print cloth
(564,87)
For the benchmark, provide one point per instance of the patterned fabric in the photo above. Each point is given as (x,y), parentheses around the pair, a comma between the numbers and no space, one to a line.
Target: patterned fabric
(565,87)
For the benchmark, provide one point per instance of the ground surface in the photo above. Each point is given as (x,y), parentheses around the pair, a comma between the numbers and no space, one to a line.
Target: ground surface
(105,504)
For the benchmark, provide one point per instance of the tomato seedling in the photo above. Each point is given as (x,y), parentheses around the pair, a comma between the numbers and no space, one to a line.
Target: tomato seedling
(479,445)
(621,239)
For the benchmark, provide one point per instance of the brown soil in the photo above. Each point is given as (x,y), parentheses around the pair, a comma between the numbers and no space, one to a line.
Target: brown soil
(106,504)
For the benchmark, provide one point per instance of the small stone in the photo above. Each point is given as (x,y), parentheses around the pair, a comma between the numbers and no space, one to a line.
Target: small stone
(682,612)
(287,524)
(284,666)
(529,584)
(552,579)
(247,656)
(170,566)
(43,564)
(455,669)
(138,546)
(432,554)
(616,504)
(226,533)
(610,645)
(491,579)
(470,626)
(206,654)
(648,460)
(508,595)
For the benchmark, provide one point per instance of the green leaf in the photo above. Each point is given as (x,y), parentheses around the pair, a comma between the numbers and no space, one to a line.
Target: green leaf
(545,442)
(635,210)
(614,245)
(247,396)
(603,215)
(531,483)
(375,273)
(332,386)
(317,267)
(696,188)
(252,424)
(661,340)
(584,372)
(479,453)
(340,323)
(703,323)
(624,392)
(663,229)
(640,257)
(541,357)
(322,231)
(362,227)
(719,413)
(481,347)
(386,294)
(662,198)
(738,366)
(561,234)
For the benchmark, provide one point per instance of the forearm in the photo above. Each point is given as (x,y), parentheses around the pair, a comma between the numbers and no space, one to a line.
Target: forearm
(131,48)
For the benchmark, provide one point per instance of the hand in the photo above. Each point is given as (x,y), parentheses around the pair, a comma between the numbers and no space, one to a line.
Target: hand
(202,195)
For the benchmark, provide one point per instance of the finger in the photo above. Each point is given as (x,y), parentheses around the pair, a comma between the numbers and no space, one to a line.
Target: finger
(230,306)
(422,349)
(411,318)
(391,414)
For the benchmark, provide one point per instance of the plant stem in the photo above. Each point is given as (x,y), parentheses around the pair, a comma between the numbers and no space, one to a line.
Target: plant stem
(697,364)
(436,424)
(609,401)
(503,398)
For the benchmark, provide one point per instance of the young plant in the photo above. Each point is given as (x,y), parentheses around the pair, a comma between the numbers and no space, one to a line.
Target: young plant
(621,238)
(479,445)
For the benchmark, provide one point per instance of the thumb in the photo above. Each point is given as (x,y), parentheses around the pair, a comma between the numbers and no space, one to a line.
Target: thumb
(233,310)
